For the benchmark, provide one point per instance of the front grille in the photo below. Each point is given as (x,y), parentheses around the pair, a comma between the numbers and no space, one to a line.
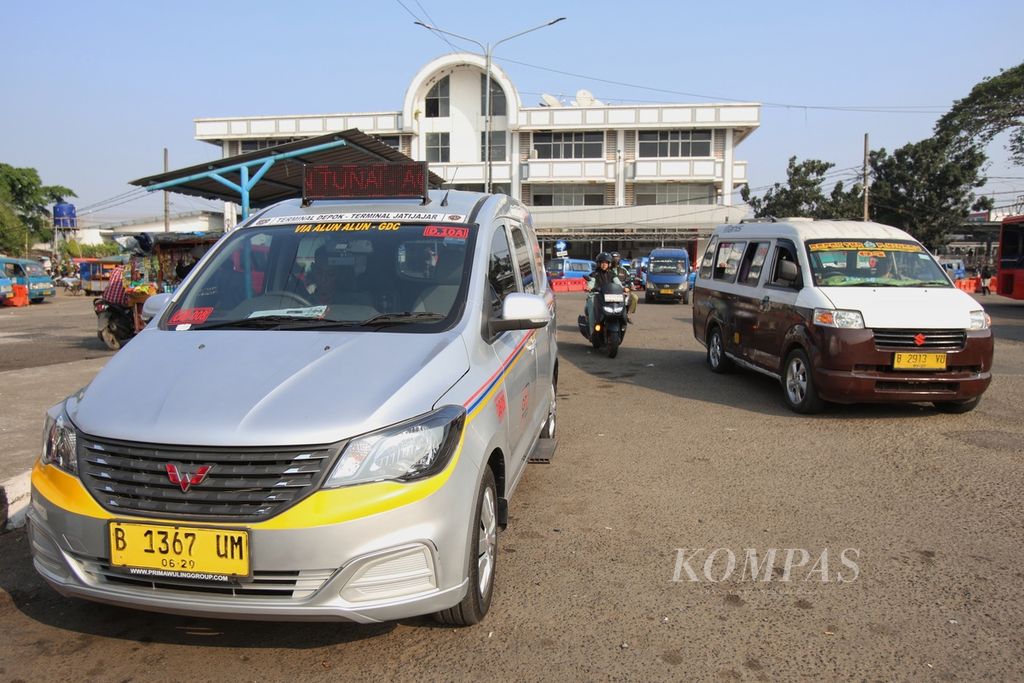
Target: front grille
(290,585)
(910,386)
(241,485)
(932,340)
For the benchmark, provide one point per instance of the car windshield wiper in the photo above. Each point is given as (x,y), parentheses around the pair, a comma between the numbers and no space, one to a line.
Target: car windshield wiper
(261,322)
(400,318)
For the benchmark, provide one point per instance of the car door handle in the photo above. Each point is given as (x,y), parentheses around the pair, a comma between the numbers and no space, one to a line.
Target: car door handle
(532,344)
(766,303)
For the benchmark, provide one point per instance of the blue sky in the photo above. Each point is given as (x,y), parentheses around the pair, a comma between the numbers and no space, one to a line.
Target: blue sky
(93,91)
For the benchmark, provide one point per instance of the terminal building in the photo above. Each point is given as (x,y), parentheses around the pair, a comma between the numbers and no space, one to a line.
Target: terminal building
(596,176)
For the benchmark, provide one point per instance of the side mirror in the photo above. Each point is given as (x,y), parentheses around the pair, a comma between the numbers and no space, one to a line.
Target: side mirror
(521,312)
(155,306)
(789,272)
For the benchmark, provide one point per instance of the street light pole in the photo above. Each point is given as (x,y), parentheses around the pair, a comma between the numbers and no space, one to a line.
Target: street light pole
(488,50)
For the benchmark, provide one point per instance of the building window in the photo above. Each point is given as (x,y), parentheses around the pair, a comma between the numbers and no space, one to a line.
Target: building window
(437,100)
(392,141)
(568,195)
(675,143)
(497,146)
(497,97)
(581,145)
(247,146)
(674,193)
(438,148)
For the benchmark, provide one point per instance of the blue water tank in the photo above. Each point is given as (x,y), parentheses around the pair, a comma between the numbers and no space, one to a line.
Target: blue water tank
(64,215)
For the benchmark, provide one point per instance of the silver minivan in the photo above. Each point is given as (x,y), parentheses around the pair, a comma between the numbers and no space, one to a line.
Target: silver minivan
(325,421)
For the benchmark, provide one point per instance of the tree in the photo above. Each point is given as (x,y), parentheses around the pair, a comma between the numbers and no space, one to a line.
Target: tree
(995,105)
(925,188)
(24,212)
(803,194)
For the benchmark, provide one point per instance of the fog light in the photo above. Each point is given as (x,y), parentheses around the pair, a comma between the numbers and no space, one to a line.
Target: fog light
(597,327)
(394,575)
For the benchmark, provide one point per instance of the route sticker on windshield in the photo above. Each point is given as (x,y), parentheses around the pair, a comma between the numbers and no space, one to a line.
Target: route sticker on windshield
(311,312)
(408,216)
(446,232)
(191,316)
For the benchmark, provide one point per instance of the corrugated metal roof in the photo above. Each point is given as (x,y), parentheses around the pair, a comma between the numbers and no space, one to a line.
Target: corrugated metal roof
(284,179)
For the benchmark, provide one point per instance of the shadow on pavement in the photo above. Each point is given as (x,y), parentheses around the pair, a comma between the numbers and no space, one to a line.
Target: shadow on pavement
(33,598)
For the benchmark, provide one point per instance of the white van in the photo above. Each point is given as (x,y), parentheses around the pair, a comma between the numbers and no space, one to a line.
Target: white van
(325,421)
(840,311)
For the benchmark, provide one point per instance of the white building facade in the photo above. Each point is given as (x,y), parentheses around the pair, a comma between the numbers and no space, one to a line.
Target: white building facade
(627,177)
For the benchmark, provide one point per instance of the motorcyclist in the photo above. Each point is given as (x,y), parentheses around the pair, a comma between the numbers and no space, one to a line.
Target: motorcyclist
(600,277)
(623,276)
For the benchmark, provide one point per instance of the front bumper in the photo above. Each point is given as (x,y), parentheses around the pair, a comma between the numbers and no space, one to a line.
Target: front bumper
(848,368)
(398,563)
(666,293)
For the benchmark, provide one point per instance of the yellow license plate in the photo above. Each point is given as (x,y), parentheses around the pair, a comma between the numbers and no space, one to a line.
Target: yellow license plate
(180,551)
(919,361)
(667,291)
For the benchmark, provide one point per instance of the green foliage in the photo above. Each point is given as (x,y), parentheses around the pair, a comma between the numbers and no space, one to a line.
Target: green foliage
(995,105)
(24,213)
(73,249)
(926,188)
(803,196)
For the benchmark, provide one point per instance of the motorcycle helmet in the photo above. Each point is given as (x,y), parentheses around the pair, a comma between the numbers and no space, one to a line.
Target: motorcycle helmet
(604,256)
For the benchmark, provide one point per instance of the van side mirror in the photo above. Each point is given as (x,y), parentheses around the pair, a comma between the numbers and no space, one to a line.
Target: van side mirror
(521,312)
(789,272)
(155,306)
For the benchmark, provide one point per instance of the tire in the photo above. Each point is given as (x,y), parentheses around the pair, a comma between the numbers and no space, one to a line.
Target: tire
(686,298)
(957,407)
(717,360)
(110,339)
(483,560)
(798,384)
(648,298)
(549,430)
(613,346)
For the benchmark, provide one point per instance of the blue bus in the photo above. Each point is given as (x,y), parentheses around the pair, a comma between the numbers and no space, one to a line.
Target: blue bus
(668,271)
(28,274)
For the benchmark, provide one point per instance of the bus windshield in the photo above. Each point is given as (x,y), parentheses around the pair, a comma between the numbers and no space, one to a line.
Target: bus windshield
(665,266)
(867,263)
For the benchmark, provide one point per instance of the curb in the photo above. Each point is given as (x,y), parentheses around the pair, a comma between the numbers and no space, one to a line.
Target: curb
(15,494)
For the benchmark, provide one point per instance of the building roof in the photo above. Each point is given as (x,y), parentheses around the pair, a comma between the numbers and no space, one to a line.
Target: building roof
(283,180)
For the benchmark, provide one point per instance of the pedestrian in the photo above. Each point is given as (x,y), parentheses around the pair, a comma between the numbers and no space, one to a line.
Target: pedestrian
(986,279)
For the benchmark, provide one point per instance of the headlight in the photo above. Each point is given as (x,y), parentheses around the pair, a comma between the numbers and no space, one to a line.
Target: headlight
(613,308)
(682,285)
(60,442)
(415,449)
(980,320)
(849,320)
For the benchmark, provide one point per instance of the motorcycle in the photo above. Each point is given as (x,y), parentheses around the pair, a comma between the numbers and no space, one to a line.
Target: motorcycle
(610,325)
(115,324)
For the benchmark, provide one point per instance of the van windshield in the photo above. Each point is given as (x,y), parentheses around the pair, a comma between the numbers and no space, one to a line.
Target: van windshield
(364,275)
(663,266)
(867,263)
(555,268)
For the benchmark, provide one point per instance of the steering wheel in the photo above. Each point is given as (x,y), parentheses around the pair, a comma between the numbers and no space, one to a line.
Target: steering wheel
(288,295)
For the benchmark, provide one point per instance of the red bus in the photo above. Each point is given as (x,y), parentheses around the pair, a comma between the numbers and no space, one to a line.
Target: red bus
(1010,263)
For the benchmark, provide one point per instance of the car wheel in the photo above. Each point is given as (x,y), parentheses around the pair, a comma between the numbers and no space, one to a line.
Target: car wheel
(717,360)
(686,297)
(957,407)
(483,560)
(798,384)
(648,298)
(549,430)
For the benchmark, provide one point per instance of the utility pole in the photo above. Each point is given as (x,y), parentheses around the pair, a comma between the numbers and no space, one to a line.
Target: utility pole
(866,177)
(167,201)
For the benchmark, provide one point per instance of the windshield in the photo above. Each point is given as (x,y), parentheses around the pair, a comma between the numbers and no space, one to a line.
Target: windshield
(317,275)
(34,269)
(866,263)
(660,266)
(557,266)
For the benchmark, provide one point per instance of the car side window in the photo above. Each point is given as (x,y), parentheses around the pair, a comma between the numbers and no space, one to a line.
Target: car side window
(500,276)
(709,259)
(784,251)
(727,261)
(524,261)
(753,263)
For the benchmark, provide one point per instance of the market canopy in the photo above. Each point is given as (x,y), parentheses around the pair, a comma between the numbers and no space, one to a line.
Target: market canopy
(278,170)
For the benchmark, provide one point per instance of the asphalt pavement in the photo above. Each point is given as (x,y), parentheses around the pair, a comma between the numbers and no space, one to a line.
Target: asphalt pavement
(902,528)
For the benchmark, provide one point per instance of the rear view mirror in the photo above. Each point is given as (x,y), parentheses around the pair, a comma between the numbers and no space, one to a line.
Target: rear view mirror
(155,306)
(521,312)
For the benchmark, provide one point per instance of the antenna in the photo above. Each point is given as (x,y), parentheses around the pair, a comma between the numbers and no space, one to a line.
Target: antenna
(455,172)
